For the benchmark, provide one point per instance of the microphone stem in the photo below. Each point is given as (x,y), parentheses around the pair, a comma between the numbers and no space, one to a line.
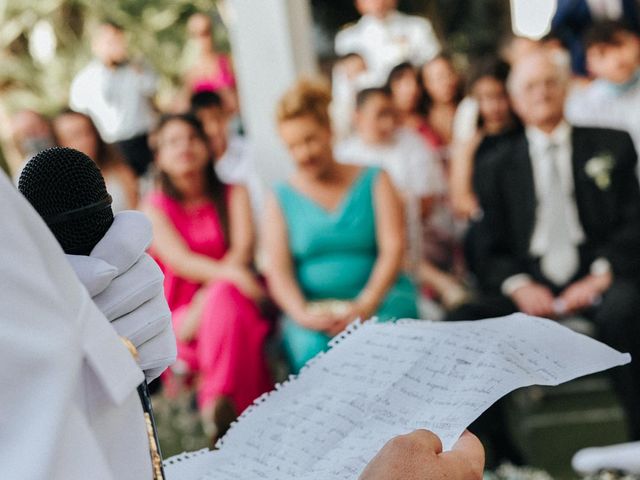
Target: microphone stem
(149,419)
(152,432)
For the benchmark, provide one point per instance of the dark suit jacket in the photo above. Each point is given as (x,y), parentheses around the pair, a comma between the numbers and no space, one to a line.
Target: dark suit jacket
(573,18)
(610,217)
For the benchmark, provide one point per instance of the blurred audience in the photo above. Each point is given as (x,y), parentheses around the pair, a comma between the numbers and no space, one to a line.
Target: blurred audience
(348,77)
(487,86)
(203,240)
(573,18)
(234,157)
(442,234)
(386,37)
(560,235)
(612,100)
(116,93)
(77,130)
(406,92)
(414,169)
(31,133)
(442,94)
(333,234)
(211,71)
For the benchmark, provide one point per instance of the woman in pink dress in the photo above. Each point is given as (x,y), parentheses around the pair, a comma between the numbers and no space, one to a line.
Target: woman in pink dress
(203,240)
(212,71)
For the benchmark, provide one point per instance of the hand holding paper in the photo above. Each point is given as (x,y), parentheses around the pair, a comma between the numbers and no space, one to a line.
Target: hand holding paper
(379,381)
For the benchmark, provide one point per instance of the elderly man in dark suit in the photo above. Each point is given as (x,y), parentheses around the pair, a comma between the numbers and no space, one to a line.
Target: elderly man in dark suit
(560,234)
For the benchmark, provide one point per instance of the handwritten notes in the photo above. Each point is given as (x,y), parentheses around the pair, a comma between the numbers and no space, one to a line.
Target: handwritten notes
(382,380)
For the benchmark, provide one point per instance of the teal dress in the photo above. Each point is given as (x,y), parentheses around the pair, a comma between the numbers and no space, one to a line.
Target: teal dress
(334,254)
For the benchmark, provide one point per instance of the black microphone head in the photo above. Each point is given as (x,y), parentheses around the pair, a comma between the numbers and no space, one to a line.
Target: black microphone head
(68,191)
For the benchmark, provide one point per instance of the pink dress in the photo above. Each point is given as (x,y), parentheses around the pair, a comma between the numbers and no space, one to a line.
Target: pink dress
(223,80)
(228,351)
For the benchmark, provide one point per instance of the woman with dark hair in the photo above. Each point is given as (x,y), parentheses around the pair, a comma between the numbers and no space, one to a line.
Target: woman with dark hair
(442,90)
(487,86)
(77,130)
(203,240)
(406,92)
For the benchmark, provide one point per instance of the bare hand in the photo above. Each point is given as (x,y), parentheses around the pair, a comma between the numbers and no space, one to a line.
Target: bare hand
(583,293)
(465,205)
(191,320)
(419,455)
(361,308)
(534,299)
(245,280)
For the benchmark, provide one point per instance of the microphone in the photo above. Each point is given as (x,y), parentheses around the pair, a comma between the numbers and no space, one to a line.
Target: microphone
(67,189)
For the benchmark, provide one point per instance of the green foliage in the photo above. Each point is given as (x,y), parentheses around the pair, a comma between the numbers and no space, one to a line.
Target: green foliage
(156,29)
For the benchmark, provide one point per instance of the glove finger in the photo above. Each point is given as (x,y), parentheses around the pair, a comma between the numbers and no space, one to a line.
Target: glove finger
(145,322)
(158,352)
(95,274)
(128,291)
(126,240)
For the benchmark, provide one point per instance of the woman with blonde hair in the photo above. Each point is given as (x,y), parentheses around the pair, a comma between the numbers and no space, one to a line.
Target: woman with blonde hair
(334,234)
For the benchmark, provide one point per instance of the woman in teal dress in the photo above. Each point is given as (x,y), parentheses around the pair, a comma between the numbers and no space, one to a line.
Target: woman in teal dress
(333,237)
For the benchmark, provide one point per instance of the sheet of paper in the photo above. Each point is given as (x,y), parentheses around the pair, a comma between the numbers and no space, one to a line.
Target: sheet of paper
(381,380)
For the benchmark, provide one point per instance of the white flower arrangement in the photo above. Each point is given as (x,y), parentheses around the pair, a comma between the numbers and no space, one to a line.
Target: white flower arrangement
(599,169)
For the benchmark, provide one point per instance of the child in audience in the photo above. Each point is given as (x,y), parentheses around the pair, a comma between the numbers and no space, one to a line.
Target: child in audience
(612,100)
(414,169)
(407,95)
(349,75)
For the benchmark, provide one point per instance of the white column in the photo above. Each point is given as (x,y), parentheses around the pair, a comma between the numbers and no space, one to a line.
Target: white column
(271,42)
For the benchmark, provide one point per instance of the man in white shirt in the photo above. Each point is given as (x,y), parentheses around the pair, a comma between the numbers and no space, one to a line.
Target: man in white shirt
(612,100)
(117,95)
(386,37)
(560,234)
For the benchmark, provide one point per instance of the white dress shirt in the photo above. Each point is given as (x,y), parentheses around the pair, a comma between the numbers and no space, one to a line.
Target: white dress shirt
(413,167)
(117,99)
(69,409)
(538,144)
(606,105)
(384,43)
(237,166)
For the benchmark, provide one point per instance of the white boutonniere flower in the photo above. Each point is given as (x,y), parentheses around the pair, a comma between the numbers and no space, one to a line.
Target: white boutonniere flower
(599,169)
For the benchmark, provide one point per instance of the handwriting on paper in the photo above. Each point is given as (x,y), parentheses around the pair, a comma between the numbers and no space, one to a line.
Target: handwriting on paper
(382,380)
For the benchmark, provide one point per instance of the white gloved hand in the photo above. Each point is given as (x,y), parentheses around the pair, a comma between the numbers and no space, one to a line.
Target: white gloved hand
(126,284)
(623,456)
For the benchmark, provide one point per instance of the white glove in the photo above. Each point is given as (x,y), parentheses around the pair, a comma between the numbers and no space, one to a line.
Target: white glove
(623,456)
(126,285)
